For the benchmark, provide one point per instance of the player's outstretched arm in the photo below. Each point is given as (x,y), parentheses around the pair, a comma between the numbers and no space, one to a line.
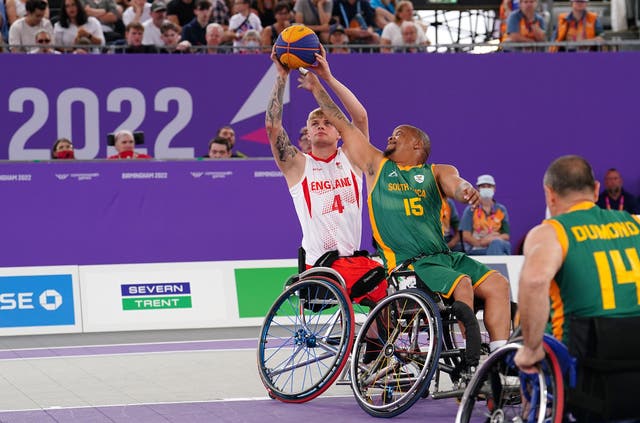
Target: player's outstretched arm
(288,157)
(454,186)
(354,107)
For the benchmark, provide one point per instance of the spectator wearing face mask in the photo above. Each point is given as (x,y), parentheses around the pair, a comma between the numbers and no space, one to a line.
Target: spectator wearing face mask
(62,149)
(485,230)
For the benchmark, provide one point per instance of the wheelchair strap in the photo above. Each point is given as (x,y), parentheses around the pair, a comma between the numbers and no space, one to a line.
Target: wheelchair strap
(368,282)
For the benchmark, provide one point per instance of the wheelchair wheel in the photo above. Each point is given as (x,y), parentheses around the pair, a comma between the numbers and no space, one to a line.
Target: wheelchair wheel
(499,392)
(396,353)
(305,340)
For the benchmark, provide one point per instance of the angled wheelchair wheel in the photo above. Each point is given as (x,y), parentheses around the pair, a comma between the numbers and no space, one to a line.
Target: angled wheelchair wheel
(396,353)
(305,340)
(499,392)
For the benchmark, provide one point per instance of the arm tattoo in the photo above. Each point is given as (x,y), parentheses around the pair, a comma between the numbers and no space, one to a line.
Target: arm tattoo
(273,118)
(327,104)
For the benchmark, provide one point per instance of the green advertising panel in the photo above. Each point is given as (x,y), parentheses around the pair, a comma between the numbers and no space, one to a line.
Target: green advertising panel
(257,288)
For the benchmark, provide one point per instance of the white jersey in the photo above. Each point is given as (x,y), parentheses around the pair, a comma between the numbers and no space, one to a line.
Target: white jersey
(328,201)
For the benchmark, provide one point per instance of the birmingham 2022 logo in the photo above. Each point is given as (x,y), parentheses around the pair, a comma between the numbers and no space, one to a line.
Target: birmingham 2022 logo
(154,296)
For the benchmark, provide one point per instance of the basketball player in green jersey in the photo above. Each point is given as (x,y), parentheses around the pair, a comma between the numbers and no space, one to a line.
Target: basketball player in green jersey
(406,198)
(584,259)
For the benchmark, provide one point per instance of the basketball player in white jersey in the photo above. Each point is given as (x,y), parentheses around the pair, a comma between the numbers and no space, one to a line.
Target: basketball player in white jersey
(326,188)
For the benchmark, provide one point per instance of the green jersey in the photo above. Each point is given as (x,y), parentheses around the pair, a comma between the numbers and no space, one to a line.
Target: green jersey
(406,207)
(600,274)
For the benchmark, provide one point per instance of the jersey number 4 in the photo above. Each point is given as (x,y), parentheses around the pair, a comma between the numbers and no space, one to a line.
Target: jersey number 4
(622,274)
(337,204)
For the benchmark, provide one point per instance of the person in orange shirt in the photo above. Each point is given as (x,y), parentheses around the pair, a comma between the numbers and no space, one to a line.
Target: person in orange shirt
(577,25)
(525,25)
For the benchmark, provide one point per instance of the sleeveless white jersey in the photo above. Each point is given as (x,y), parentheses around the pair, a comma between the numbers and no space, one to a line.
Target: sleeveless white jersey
(328,201)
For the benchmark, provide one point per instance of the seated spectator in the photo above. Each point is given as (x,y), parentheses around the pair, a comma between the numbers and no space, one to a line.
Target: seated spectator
(265,9)
(385,11)
(16,9)
(133,41)
(242,22)
(525,25)
(43,40)
(170,36)
(338,41)
(220,13)
(316,14)
(410,38)
(250,42)
(613,197)
(4,26)
(392,32)
(485,230)
(74,24)
(270,33)
(23,31)
(83,46)
(358,18)
(124,143)
(506,7)
(215,39)
(451,225)
(152,27)
(106,11)
(139,11)
(219,148)
(577,25)
(180,12)
(195,31)
(62,149)
(304,142)
(228,133)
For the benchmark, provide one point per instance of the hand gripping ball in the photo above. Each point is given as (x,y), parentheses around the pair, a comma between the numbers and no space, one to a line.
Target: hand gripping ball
(296,45)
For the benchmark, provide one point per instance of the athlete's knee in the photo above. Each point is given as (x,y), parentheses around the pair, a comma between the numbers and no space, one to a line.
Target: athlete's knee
(464,291)
(495,287)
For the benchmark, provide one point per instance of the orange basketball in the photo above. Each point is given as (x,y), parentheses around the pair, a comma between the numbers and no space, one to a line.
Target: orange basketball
(296,46)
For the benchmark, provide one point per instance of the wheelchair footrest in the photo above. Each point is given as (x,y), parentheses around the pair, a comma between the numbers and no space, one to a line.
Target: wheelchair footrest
(455,393)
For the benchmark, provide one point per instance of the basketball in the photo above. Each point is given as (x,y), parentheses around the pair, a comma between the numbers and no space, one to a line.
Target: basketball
(296,45)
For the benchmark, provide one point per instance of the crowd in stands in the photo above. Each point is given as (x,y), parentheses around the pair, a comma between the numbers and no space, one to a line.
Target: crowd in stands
(252,26)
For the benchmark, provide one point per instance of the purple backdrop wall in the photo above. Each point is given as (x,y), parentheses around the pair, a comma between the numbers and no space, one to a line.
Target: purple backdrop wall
(508,115)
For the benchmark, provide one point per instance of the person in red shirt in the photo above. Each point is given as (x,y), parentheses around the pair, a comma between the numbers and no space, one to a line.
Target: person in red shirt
(124,143)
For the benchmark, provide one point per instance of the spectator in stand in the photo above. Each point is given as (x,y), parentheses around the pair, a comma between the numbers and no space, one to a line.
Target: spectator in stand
(266,11)
(410,38)
(74,24)
(195,31)
(43,40)
(316,14)
(392,32)
(485,229)
(220,13)
(358,18)
(228,133)
(304,142)
(506,7)
(152,27)
(170,36)
(270,33)
(250,42)
(106,11)
(339,41)
(385,11)
(23,31)
(219,148)
(16,9)
(133,41)
(4,26)
(124,143)
(578,25)
(215,39)
(62,149)
(180,12)
(242,22)
(525,25)
(613,197)
(451,225)
(139,11)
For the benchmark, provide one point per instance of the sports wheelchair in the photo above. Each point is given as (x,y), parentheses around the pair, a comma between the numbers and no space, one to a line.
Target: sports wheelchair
(411,337)
(593,379)
(308,335)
